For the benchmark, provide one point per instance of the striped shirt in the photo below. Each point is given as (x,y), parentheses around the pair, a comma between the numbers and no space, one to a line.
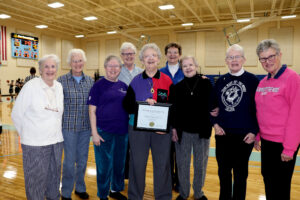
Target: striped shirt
(76,111)
(126,76)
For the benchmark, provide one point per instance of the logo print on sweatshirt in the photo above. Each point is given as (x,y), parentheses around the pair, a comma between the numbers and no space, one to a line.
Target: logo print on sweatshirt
(232,94)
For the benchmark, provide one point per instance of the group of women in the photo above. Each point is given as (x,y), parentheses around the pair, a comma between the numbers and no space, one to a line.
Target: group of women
(242,110)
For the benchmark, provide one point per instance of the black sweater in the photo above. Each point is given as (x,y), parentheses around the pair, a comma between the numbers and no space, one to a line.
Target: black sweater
(234,95)
(191,106)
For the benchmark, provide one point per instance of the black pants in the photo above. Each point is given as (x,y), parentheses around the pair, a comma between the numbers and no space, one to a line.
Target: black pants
(277,174)
(232,154)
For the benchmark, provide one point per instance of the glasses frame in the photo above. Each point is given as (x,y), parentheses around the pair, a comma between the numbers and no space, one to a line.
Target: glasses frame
(270,58)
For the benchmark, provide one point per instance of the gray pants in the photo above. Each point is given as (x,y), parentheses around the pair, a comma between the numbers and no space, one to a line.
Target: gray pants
(200,147)
(42,170)
(140,143)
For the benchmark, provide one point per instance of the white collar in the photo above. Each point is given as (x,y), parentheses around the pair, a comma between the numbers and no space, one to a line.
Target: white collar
(239,73)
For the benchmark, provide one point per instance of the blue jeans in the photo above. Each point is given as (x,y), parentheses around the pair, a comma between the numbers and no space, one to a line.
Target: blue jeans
(76,150)
(110,162)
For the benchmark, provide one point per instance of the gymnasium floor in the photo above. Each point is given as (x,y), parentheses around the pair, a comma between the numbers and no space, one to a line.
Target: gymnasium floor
(12,179)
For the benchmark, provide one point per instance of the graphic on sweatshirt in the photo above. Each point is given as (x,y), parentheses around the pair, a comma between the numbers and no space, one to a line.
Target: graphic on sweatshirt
(232,94)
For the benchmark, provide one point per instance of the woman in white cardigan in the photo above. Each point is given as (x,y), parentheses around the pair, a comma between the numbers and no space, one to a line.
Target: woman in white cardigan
(37,116)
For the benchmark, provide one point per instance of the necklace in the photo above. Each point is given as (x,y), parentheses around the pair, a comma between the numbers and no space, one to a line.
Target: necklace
(151,85)
(194,86)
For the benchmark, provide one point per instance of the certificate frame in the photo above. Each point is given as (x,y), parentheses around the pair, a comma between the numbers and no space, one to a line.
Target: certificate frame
(159,119)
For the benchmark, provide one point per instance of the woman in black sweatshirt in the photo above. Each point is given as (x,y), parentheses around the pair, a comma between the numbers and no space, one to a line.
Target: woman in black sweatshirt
(191,127)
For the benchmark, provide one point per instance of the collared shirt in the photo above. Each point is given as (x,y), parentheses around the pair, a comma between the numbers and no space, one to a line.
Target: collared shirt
(37,120)
(239,73)
(76,111)
(126,76)
(278,74)
(177,77)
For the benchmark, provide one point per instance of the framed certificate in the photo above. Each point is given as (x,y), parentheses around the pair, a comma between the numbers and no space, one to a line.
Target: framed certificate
(152,118)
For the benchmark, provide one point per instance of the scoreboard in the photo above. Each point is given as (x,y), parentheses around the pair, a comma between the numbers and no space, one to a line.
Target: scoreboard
(24,46)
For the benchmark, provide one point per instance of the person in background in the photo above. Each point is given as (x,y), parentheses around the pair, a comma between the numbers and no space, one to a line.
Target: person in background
(128,71)
(11,90)
(236,124)
(37,116)
(191,131)
(76,125)
(32,74)
(278,104)
(150,86)
(109,122)
(173,52)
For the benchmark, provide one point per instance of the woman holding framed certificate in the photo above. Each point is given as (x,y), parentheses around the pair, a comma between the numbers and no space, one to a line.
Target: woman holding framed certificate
(153,87)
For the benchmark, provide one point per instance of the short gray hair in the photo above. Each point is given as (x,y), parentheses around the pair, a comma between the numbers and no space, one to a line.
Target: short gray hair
(127,45)
(48,57)
(112,57)
(149,46)
(75,51)
(235,47)
(267,44)
(188,57)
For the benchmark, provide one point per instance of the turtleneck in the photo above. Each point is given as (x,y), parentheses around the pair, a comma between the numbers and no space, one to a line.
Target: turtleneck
(239,73)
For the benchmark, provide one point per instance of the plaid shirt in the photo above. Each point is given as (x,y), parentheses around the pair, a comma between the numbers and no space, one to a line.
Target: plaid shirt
(76,110)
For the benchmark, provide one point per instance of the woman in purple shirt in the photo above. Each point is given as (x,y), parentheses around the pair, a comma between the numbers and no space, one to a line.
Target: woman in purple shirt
(109,124)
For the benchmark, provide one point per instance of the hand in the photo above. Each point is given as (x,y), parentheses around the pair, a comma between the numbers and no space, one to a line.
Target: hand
(160,132)
(285,158)
(204,77)
(215,112)
(257,145)
(97,139)
(218,130)
(174,135)
(249,138)
(151,101)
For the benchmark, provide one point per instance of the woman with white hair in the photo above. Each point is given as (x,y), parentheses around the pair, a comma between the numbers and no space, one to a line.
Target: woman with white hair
(76,125)
(236,124)
(151,86)
(37,116)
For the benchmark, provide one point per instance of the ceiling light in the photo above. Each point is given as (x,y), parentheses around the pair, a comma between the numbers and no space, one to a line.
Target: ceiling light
(187,24)
(288,16)
(243,20)
(111,32)
(41,26)
(4,16)
(166,7)
(79,36)
(90,18)
(55,5)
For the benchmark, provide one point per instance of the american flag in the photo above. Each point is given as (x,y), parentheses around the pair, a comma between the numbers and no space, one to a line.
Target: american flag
(3,45)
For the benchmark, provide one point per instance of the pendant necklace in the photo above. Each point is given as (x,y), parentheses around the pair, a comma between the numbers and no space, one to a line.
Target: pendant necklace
(151,85)
(194,86)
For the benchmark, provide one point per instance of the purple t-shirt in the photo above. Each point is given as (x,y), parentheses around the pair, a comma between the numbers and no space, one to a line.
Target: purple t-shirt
(108,96)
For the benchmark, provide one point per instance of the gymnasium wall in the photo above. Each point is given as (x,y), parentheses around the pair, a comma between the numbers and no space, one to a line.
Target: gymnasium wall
(208,48)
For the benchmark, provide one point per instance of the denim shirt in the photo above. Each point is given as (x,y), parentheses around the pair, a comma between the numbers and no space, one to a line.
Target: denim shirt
(76,111)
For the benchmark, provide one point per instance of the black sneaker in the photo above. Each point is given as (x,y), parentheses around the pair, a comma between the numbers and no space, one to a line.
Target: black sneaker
(179,197)
(202,198)
(65,198)
(82,195)
(117,195)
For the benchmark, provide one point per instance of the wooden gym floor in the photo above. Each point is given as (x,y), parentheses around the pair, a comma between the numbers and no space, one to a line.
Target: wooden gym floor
(12,179)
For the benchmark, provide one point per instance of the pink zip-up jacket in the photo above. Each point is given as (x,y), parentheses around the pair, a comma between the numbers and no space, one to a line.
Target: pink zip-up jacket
(278,109)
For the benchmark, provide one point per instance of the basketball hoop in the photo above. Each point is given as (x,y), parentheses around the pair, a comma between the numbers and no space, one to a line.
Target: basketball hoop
(231,35)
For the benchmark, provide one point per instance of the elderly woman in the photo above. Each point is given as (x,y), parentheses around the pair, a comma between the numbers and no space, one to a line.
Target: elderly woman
(150,86)
(37,116)
(128,72)
(191,127)
(109,123)
(278,104)
(236,125)
(76,125)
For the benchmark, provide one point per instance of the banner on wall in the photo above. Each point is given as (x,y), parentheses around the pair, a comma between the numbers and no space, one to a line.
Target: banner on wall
(3,46)
(24,46)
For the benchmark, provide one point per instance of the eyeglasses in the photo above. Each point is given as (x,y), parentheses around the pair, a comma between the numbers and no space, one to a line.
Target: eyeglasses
(231,58)
(127,54)
(271,58)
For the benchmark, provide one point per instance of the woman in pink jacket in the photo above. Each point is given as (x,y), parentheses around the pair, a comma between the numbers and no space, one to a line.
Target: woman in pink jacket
(278,112)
